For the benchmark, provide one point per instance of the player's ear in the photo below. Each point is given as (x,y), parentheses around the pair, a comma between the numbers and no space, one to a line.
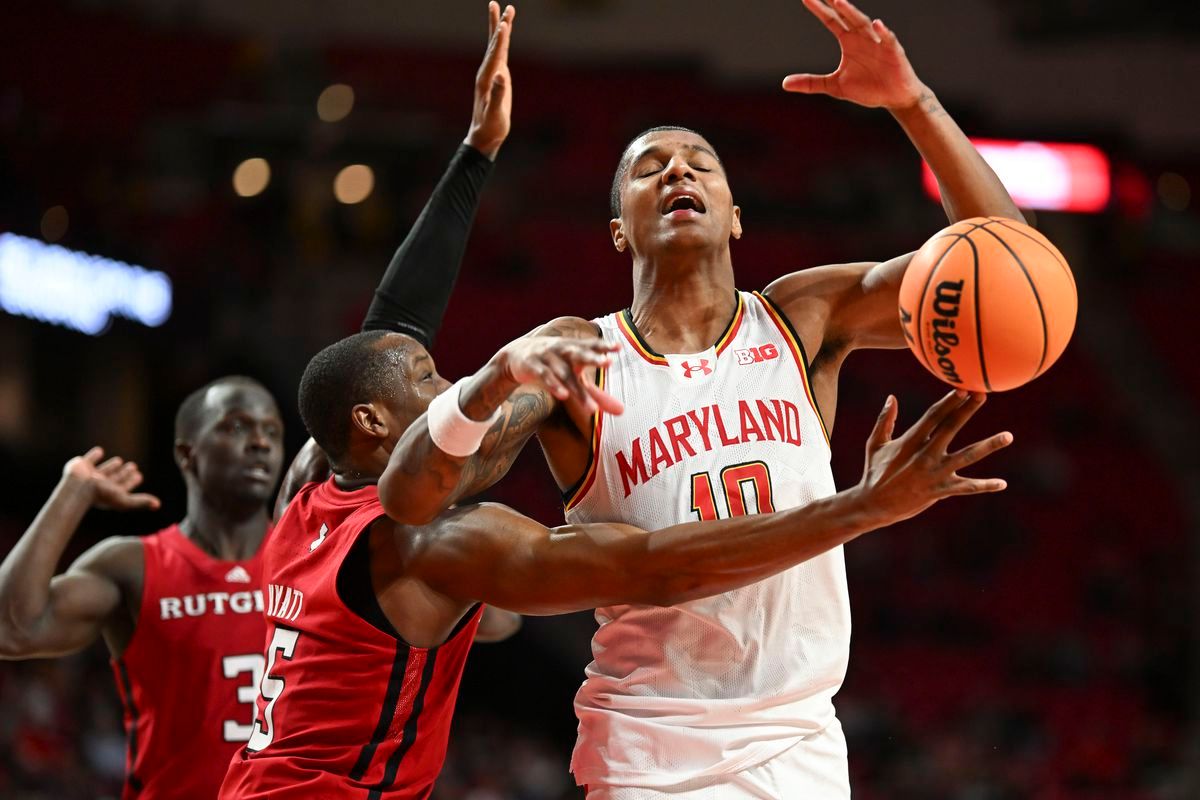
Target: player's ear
(366,419)
(736,228)
(183,454)
(617,228)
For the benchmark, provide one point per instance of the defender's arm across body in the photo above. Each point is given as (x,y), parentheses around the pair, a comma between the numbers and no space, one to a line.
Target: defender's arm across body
(43,614)
(843,307)
(492,554)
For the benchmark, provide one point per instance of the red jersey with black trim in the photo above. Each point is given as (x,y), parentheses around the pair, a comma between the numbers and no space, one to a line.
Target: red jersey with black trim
(346,710)
(190,674)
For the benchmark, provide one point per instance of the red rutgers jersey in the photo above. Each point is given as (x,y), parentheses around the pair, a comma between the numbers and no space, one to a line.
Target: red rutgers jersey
(347,709)
(190,674)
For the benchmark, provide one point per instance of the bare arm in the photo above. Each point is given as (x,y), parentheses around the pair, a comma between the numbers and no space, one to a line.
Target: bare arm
(497,625)
(528,380)
(46,615)
(851,306)
(492,554)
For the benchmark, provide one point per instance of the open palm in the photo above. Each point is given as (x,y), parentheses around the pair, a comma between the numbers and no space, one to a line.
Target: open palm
(113,481)
(874,71)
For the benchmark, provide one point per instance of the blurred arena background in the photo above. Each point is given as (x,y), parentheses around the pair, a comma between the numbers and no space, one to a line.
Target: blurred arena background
(1037,644)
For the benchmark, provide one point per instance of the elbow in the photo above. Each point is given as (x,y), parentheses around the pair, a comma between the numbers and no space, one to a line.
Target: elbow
(15,641)
(401,506)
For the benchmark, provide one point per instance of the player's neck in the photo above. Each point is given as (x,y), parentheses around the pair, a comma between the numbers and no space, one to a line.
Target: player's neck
(683,306)
(225,533)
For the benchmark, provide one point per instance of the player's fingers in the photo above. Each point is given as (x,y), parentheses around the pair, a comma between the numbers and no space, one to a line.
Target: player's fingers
(110,466)
(923,427)
(881,434)
(605,401)
(945,431)
(885,33)
(142,500)
(93,455)
(565,372)
(976,486)
(493,18)
(857,20)
(130,479)
(808,83)
(587,355)
(829,18)
(492,57)
(546,377)
(974,453)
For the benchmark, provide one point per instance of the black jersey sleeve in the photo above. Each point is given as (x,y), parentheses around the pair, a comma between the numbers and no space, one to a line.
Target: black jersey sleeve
(415,290)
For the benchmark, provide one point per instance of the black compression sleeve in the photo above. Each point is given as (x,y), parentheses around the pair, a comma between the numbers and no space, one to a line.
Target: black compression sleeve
(415,290)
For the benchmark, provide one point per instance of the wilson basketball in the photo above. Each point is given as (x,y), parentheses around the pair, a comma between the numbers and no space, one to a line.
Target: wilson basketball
(988,304)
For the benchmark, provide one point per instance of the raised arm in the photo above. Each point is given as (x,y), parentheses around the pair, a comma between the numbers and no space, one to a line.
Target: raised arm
(46,615)
(415,289)
(492,554)
(542,383)
(850,306)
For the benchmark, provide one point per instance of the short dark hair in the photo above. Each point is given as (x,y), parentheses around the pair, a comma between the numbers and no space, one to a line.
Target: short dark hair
(614,196)
(190,416)
(352,371)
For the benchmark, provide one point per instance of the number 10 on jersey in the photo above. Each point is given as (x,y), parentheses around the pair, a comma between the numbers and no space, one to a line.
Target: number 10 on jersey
(747,489)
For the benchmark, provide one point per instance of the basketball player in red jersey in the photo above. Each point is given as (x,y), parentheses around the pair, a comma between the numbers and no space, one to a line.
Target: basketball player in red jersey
(729,398)
(182,610)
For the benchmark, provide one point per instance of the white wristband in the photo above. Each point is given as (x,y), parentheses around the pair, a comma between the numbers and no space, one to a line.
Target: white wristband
(454,433)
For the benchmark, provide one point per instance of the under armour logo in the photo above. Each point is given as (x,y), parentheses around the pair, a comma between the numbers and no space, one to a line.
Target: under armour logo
(703,368)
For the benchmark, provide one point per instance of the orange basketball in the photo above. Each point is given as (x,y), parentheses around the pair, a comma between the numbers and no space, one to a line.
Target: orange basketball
(988,304)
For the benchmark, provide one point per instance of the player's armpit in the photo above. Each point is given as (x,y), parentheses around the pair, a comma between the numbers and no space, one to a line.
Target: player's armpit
(79,603)
(843,307)
(496,625)
(421,480)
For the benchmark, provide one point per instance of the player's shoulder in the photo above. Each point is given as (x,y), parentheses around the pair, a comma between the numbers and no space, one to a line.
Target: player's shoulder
(574,327)
(816,281)
(119,558)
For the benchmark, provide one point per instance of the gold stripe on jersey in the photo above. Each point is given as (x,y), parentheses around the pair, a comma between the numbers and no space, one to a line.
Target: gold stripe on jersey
(626,326)
(785,328)
(589,476)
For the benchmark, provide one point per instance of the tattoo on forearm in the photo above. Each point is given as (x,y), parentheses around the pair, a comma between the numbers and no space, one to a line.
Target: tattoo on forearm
(929,103)
(457,478)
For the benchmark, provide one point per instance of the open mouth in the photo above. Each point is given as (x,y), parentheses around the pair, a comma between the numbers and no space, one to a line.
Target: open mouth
(684,202)
(257,472)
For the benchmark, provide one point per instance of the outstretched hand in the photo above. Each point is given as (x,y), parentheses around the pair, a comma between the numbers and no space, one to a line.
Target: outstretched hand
(492,115)
(874,71)
(557,363)
(112,482)
(907,474)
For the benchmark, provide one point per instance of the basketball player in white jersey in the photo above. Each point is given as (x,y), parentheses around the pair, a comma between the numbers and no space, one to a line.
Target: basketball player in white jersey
(729,399)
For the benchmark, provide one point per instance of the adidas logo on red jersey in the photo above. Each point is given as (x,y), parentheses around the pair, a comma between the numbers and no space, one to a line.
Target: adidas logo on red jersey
(237,575)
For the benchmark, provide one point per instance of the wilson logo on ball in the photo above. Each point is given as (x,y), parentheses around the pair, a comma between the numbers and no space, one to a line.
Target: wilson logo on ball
(947,297)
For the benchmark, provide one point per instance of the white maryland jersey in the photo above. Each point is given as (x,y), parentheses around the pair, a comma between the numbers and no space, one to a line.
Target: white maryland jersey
(717,685)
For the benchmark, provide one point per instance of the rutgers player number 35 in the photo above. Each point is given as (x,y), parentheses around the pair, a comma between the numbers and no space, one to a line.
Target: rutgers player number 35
(746,487)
